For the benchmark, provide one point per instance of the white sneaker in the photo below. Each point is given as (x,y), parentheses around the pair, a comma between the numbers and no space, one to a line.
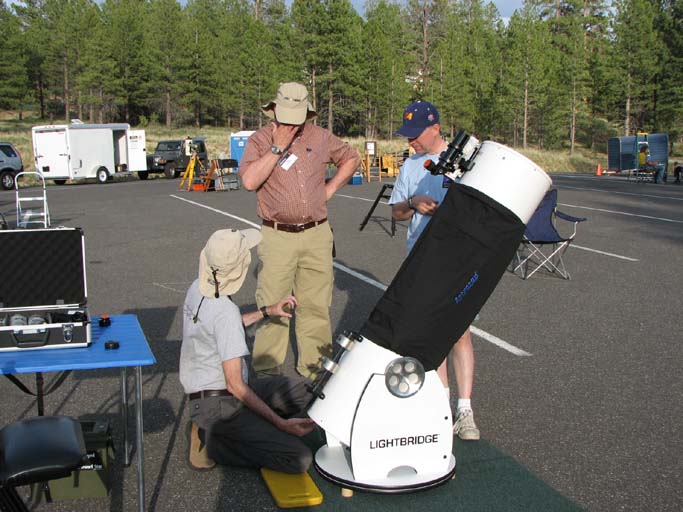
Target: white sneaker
(465,427)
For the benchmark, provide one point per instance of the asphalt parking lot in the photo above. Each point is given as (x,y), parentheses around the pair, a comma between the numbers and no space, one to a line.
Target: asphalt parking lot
(577,384)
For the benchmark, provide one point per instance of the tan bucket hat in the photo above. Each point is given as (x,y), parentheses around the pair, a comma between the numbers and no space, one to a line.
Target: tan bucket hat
(292,105)
(224,261)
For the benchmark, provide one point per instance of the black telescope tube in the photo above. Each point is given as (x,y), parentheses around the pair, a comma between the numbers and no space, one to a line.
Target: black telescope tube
(452,270)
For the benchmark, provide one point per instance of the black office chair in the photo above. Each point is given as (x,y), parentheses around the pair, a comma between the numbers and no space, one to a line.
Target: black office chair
(37,450)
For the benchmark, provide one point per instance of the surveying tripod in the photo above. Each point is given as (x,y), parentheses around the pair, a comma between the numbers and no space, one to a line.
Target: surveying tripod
(189,173)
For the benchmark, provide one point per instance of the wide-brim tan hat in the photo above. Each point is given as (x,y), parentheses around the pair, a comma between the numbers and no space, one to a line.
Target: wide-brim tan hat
(291,105)
(224,261)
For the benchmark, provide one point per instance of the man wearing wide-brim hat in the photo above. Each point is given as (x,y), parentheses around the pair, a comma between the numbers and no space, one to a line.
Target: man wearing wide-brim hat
(234,421)
(285,162)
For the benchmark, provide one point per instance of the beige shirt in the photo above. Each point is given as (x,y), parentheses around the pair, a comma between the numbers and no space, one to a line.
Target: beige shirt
(295,193)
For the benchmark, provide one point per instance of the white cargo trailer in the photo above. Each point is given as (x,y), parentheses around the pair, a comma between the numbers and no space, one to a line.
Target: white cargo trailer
(78,151)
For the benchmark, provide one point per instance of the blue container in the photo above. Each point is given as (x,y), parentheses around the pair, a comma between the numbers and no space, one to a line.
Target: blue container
(238,141)
(356,179)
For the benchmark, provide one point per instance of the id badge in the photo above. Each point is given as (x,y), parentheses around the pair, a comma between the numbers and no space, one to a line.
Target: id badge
(287,161)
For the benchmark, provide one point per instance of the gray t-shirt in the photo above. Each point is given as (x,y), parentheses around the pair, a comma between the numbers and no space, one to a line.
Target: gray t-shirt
(216,336)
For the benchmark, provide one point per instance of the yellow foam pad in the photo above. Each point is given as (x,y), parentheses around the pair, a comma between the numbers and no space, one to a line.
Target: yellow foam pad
(292,490)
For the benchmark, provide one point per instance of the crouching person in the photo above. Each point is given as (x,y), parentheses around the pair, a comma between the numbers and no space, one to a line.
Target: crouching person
(234,421)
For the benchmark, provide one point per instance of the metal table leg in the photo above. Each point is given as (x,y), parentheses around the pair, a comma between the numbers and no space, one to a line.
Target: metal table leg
(39,393)
(124,416)
(140,440)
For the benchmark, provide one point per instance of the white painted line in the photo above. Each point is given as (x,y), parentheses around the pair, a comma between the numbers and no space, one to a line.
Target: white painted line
(614,192)
(221,212)
(475,330)
(603,252)
(573,206)
(572,245)
(360,276)
(360,198)
(482,334)
(168,287)
(622,213)
(498,342)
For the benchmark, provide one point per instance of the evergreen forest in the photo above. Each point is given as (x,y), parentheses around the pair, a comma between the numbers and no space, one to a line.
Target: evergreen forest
(557,74)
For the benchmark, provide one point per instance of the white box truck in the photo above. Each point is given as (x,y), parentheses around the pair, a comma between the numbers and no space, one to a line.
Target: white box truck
(78,151)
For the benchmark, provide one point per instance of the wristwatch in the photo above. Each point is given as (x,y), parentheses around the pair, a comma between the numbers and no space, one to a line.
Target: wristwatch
(264,312)
(275,150)
(410,203)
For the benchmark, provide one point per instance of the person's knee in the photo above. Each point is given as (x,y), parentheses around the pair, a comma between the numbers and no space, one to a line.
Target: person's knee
(297,462)
(303,461)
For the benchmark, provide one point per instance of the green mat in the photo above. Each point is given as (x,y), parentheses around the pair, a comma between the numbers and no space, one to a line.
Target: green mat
(486,480)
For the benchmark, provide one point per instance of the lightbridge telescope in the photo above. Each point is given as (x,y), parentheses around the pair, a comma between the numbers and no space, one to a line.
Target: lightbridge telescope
(386,416)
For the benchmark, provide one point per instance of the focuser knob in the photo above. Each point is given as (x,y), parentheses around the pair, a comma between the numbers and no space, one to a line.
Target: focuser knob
(330,365)
(347,340)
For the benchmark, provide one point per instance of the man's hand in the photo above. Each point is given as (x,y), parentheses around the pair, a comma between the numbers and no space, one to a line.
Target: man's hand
(297,426)
(284,307)
(283,134)
(425,205)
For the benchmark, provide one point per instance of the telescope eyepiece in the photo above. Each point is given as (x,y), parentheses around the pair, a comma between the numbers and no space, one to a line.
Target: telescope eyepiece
(431,167)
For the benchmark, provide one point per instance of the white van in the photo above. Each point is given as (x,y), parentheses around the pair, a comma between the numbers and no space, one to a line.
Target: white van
(78,151)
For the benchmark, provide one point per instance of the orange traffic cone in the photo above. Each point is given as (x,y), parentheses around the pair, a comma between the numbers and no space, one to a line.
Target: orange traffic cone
(598,170)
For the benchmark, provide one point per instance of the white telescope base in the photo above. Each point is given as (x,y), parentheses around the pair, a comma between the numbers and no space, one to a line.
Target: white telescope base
(378,441)
(333,464)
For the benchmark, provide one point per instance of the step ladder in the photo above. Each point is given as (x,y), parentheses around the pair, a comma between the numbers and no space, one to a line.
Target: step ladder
(32,210)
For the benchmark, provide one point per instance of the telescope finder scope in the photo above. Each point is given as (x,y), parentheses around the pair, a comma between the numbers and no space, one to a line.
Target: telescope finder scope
(451,159)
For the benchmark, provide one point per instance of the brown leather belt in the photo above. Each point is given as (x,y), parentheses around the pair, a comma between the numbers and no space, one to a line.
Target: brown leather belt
(209,393)
(293,228)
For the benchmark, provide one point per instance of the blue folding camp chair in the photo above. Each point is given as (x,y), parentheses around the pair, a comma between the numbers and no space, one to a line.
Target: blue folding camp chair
(542,246)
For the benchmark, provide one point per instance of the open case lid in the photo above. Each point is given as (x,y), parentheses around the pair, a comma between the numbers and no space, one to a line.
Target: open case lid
(42,268)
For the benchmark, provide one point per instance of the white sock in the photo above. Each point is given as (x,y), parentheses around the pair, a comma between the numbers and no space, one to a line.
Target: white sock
(464,403)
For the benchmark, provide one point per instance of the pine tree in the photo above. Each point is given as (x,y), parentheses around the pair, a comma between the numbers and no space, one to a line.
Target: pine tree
(14,84)
(526,63)
(96,78)
(166,58)
(327,34)
(635,52)
(670,105)
(34,31)
(386,90)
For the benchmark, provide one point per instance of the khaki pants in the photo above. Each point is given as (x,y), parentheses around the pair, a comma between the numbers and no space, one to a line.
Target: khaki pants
(300,263)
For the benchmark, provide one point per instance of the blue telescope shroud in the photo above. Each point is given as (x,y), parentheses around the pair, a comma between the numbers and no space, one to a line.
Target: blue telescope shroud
(452,270)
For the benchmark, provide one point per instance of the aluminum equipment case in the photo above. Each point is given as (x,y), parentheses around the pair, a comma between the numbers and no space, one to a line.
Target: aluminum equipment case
(43,292)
